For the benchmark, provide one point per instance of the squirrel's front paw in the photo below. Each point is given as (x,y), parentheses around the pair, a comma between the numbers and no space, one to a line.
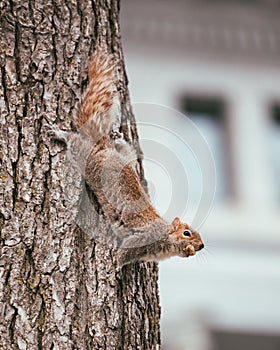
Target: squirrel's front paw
(189,250)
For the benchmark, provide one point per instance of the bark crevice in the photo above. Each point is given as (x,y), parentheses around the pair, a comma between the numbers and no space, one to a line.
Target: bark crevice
(59,287)
(5,90)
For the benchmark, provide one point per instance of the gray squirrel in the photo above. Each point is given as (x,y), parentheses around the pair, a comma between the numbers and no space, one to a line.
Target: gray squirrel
(107,163)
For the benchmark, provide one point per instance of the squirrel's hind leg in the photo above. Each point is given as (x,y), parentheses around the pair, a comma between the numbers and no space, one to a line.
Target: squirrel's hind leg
(55,133)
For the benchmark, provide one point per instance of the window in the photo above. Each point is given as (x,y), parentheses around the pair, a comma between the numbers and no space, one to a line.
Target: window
(275,147)
(209,116)
(244,341)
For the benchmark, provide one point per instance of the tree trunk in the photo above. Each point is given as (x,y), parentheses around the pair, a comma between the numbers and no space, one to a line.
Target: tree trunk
(59,286)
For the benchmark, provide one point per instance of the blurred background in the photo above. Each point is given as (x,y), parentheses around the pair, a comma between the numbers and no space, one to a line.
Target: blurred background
(217,62)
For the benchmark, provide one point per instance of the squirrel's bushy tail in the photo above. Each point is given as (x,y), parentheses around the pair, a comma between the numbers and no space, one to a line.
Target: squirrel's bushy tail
(100,108)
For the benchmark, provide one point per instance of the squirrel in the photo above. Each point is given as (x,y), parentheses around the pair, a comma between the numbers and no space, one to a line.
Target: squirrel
(107,163)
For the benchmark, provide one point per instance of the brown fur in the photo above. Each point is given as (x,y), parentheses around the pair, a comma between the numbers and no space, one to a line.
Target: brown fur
(113,179)
(108,168)
(100,92)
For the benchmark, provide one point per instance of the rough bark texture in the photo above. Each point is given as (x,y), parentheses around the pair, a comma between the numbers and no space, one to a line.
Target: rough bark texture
(59,288)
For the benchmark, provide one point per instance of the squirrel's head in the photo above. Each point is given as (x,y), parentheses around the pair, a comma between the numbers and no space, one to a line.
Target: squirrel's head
(187,240)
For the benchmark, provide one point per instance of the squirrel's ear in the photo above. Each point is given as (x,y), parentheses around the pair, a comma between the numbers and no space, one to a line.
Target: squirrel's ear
(175,223)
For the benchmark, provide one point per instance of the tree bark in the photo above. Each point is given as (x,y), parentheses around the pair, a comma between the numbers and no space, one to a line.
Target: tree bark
(58,284)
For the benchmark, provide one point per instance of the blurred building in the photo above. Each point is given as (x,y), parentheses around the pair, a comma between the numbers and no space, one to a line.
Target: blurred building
(218,62)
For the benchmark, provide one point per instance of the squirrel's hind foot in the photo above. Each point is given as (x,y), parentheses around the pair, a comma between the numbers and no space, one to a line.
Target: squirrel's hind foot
(115,135)
(55,133)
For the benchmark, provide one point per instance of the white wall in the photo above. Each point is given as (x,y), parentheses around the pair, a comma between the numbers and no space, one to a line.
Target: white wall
(235,282)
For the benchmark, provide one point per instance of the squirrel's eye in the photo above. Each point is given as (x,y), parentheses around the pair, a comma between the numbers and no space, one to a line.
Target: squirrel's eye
(187,233)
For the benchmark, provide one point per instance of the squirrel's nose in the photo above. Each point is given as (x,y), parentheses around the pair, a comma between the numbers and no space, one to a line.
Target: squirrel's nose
(201,246)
